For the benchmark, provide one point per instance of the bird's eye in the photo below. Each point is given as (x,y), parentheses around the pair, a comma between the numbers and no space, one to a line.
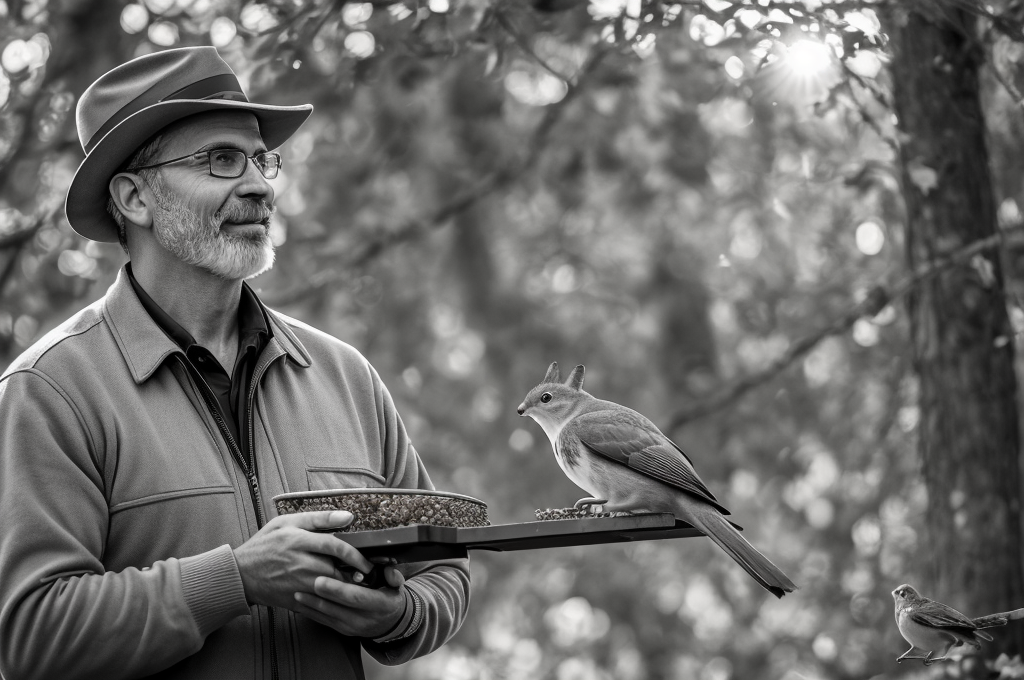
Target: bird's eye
(545,398)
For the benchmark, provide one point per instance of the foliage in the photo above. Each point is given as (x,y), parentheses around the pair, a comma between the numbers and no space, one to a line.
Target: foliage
(675,194)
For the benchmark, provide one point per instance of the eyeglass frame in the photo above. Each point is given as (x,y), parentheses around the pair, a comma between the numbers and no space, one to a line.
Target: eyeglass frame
(210,162)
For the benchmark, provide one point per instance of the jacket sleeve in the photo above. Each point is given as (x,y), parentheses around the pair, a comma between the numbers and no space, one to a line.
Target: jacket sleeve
(439,599)
(61,613)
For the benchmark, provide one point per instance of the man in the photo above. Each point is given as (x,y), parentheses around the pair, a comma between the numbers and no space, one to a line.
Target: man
(142,440)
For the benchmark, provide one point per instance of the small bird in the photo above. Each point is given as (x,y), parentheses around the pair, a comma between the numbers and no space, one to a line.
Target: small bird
(932,627)
(625,462)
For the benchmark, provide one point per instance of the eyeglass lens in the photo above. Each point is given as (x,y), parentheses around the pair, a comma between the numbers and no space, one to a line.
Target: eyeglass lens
(230,163)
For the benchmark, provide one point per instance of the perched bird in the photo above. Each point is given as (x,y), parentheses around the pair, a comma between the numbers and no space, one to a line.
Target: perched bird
(931,626)
(624,461)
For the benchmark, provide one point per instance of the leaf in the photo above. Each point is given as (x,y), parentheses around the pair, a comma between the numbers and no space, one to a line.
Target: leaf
(985,270)
(864,63)
(493,59)
(718,5)
(923,177)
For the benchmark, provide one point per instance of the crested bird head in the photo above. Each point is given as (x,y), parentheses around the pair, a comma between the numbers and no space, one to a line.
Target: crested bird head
(905,594)
(553,403)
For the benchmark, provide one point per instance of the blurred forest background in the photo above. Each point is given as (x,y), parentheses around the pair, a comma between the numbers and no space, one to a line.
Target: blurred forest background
(789,232)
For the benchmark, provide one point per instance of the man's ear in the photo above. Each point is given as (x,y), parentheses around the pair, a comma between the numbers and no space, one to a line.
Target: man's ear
(132,197)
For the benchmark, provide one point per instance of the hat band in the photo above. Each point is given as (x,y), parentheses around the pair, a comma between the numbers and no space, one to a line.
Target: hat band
(223,86)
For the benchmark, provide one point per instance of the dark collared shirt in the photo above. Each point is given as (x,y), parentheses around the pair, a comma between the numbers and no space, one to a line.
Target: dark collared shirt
(230,391)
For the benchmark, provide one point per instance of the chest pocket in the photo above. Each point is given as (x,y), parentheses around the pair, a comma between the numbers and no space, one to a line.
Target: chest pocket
(164,451)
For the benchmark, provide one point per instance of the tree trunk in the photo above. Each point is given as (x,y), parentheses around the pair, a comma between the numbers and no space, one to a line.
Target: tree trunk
(963,345)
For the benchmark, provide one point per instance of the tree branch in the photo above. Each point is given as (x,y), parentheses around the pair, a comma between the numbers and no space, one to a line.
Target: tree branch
(413,229)
(16,242)
(18,238)
(875,301)
(506,24)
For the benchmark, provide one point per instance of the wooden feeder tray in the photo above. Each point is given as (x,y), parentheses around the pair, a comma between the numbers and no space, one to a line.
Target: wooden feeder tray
(423,542)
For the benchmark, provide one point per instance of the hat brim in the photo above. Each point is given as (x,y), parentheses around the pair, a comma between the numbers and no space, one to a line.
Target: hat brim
(86,204)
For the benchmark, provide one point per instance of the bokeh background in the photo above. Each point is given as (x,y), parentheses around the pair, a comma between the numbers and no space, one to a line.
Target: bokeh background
(703,202)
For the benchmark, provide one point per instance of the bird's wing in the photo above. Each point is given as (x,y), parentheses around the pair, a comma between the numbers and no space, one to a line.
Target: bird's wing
(937,615)
(626,437)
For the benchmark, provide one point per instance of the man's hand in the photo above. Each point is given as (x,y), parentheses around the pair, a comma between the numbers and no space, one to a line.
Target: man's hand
(352,609)
(286,557)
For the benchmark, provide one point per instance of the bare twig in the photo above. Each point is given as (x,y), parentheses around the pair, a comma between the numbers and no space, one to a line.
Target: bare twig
(873,303)
(285,24)
(862,108)
(1008,85)
(1002,78)
(524,45)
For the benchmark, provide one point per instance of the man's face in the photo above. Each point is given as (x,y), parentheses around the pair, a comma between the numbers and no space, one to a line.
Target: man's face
(217,224)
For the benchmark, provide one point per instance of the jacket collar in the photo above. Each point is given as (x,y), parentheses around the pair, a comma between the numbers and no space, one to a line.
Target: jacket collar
(283,337)
(145,346)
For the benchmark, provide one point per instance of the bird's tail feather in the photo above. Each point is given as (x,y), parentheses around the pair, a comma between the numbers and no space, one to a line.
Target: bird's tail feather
(719,530)
(1001,619)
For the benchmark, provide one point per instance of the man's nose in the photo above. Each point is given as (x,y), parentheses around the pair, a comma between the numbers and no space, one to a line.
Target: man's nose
(255,185)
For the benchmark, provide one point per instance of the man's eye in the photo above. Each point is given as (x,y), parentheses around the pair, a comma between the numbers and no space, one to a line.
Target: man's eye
(225,158)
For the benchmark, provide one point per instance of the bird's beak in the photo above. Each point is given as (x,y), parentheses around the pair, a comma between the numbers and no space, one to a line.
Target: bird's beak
(522,409)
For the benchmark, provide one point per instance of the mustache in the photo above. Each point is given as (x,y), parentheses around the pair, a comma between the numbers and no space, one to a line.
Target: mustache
(248,212)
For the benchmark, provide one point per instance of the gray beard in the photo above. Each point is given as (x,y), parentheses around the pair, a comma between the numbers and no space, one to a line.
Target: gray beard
(229,256)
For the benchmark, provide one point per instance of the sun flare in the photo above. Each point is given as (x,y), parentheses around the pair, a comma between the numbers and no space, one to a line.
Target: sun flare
(808,59)
(801,73)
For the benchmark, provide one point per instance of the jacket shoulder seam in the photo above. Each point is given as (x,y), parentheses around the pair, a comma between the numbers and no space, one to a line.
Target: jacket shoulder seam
(51,346)
(55,386)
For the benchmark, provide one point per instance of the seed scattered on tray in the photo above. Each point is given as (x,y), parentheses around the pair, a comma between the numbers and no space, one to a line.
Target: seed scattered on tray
(574,513)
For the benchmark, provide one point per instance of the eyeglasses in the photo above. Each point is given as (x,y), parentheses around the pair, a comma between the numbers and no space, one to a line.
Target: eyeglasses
(229,163)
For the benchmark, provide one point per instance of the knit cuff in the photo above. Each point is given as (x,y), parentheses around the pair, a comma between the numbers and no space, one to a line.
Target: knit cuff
(410,621)
(213,588)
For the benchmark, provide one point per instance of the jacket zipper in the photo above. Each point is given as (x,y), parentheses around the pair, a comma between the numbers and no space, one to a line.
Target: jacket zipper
(249,468)
(253,382)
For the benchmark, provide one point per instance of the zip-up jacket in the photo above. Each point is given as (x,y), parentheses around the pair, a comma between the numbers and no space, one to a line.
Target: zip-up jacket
(121,501)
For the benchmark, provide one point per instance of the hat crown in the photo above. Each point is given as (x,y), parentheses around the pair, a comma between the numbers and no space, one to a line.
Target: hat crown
(183,73)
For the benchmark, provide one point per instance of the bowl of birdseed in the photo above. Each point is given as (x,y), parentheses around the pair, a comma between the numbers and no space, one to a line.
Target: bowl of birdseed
(388,508)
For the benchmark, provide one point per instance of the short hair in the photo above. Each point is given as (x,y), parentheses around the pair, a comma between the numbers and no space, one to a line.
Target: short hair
(143,155)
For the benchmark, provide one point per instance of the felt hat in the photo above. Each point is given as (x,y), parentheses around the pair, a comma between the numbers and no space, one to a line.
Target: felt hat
(132,102)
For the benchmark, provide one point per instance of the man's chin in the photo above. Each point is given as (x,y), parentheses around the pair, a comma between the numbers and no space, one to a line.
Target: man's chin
(262,269)
(243,259)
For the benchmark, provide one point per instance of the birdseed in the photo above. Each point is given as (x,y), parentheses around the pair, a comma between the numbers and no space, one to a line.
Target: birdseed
(381,510)
(549,514)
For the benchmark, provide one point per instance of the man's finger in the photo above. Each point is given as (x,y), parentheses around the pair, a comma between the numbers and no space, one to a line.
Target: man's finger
(320,610)
(394,578)
(316,520)
(327,544)
(346,595)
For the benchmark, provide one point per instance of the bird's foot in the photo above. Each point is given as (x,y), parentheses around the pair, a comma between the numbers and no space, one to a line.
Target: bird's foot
(906,656)
(589,504)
